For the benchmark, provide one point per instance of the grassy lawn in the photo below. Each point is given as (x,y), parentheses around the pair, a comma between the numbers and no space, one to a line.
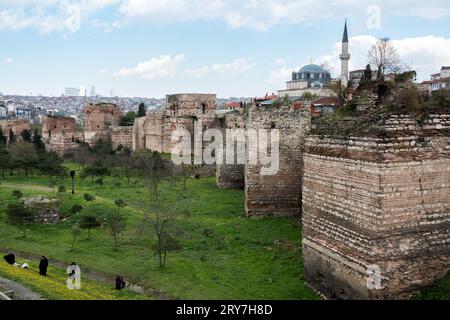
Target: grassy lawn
(224,255)
(54,287)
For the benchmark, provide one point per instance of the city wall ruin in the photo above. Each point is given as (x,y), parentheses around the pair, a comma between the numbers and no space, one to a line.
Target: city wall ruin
(280,194)
(16,125)
(231,176)
(376,211)
(60,134)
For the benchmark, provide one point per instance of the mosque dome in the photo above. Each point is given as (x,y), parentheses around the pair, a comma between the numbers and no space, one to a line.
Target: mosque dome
(312,68)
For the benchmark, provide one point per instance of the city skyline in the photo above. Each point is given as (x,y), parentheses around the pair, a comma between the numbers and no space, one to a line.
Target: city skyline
(248,49)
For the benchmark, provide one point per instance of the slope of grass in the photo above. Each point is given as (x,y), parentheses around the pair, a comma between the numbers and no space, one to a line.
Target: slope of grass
(54,286)
(224,255)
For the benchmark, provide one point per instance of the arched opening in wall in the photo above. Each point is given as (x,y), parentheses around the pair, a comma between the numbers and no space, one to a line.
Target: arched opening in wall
(73,139)
(203,108)
(273,125)
(49,133)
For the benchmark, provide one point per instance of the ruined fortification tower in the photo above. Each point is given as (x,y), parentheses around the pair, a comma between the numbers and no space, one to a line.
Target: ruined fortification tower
(376,209)
(278,194)
(182,111)
(345,57)
(59,134)
(99,118)
(231,175)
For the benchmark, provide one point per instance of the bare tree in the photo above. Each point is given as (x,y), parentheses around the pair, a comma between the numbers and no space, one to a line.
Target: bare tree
(166,213)
(384,57)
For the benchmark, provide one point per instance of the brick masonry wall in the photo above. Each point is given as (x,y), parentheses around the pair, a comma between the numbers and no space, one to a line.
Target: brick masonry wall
(98,119)
(378,201)
(121,136)
(231,176)
(280,194)
(59,134)
(17,126)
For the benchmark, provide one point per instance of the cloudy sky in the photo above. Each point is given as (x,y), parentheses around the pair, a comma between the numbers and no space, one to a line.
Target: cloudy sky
(150,48)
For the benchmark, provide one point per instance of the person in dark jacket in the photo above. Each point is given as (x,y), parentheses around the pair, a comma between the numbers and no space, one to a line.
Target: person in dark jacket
(120,284)
(43,265)
(10,258)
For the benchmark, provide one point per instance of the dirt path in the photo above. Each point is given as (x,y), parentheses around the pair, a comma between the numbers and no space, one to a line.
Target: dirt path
(28,187)
(20,291)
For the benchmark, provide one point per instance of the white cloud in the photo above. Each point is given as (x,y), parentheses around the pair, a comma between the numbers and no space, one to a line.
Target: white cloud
(164,66)
(51,15)
(234,67)
(8,60)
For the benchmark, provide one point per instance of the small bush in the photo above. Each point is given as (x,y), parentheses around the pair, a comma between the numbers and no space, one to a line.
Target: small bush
(99,181)
(89,197)
(62,189)
(76,208)
(17,194)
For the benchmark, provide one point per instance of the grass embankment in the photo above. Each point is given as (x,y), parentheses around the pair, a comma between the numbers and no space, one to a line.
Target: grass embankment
(224,255)
(53,287)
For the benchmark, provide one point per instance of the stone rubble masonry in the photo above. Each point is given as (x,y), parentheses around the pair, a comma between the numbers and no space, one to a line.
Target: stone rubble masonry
(17,126)
(280,194)
(381,202)
(182,111)
(231,176)
(99,118)
(121,136)
(60,134)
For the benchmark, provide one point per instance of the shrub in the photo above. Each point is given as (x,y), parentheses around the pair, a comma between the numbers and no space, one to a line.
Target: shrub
(17,194)
(61,189)
(89,197)
(76,208)
(99,181)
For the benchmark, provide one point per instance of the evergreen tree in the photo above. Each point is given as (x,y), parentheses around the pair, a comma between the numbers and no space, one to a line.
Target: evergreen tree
(142,111)
(37,141)
(3,139)
(368,73)
(12,137)
(26,135)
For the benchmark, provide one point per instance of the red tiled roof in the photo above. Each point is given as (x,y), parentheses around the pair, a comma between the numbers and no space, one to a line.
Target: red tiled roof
(443,80)
(233,104)
(326,101)
(267,97)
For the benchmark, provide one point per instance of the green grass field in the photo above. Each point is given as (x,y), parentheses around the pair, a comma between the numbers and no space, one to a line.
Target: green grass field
(224,255)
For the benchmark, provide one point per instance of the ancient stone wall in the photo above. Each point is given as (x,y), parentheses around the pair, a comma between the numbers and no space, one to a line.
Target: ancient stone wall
(98,118)
(182,111)
(16,125)
(376,211)
(121,136)
(279,194)
(60,134)
(231,176)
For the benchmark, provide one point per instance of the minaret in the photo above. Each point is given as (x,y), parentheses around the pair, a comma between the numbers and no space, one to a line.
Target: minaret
(345,57)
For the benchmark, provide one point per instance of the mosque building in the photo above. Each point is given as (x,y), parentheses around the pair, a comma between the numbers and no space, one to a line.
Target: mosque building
(316,79)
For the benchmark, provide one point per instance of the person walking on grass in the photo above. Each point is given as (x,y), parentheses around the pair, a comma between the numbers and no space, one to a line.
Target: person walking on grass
(43,265)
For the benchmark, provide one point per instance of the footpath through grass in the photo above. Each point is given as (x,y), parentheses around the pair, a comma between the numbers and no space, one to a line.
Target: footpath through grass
(224,255)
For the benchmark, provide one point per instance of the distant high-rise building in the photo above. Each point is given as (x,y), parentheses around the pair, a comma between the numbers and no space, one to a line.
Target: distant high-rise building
(71,92)
(92,93)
